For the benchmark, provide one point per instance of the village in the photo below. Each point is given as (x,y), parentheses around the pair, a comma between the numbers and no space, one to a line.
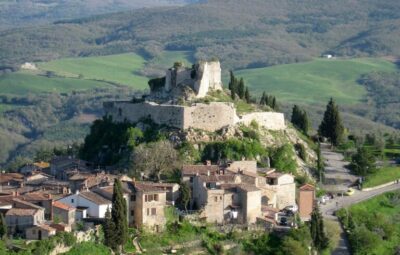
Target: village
(65,194)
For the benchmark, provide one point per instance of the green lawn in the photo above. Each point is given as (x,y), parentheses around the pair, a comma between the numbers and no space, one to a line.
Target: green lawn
(121,69)
(373,225)
(315,81)
(23,83)
(382,176)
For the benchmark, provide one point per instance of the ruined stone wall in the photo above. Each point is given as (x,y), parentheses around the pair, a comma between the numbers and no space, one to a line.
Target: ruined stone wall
(209,117)
(268,120)
(210,78)
(171,115)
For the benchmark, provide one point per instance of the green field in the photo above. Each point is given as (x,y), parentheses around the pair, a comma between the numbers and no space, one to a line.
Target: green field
(168,58)
(382,176)
(121,69)
(23,83)
(315,81)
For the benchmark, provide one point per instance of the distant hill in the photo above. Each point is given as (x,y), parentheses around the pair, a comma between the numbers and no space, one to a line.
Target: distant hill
(30,12)
(244,34)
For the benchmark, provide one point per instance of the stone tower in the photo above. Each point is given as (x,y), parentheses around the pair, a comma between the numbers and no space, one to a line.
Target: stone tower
(201,78)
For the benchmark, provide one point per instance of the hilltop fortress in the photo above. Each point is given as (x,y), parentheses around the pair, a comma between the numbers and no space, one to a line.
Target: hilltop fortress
(180,84)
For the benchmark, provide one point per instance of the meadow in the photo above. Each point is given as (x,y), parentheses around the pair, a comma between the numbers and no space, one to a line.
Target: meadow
(382,176)
(315,81)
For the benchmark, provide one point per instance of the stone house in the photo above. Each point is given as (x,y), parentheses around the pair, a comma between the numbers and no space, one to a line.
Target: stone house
(306,201)
(19,219)
(39,199)
(60,165)
(223,198)
(147,204)
(39,232)
(95,204)
(65,213)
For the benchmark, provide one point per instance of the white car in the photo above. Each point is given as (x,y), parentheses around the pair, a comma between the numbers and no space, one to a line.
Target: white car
(293,208)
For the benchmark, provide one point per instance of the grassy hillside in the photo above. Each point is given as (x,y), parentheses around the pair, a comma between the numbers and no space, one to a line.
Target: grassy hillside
(25,83)
(121,69)
(254,33)
(316,81)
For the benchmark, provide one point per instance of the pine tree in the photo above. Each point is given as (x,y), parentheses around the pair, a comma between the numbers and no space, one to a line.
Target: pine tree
(300,119)
(247,95)
(109,230)
(241,89)
(3,226)
(118,216)
(320,240)
(274,104)
(331,125)
(231,81)
(363,162)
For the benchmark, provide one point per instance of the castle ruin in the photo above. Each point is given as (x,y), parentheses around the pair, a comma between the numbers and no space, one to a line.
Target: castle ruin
(193,82)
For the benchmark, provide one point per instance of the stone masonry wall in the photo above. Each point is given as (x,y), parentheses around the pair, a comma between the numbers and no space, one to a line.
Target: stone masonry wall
(209,117)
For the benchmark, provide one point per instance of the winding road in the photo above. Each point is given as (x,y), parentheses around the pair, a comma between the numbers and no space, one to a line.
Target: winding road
(338,178)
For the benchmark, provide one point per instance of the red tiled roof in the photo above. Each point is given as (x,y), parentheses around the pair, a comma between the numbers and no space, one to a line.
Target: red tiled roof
(307,187)
(63,206)
(6,177)
(148,187)
(199,169)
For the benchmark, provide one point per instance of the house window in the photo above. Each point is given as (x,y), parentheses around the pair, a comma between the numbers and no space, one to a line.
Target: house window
(216,199)
(132,212)
(72,200)
(133,197)
(191,179)
(156,197)
(153,211)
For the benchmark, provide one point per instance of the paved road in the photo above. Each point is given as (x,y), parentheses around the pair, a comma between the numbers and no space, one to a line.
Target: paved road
(337,176)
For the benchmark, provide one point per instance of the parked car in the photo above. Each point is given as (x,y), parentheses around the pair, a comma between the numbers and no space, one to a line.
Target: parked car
(349,192)
(283,222)
(292,208)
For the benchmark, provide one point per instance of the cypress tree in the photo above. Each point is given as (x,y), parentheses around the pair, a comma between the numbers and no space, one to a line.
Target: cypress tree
(3,226)
(231,80)
(320,163)
(262,100)
(118,216)
(331,125)
(273,103)
(241,89)
(247,95)
(318,235)
(109,230)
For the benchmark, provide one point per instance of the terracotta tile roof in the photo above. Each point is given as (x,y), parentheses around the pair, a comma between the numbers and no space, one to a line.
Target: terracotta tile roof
(307,187)
(199,169)
(25,204)
(248,188)
(45,227)
(63,206)
(21,212)
(95,198)
(35,197)
(6,177)
(147,187)
(218,178)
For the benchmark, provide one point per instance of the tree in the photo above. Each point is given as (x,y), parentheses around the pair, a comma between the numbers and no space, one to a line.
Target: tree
(155,158)
(320,240)
(300,119)
(331,125)
(363,162)
(109,230)
(119,217)
(320,163)
(283,159)
(3,227)
(241,89)
(186,194)
(134,135)
(247,95)
(263,98)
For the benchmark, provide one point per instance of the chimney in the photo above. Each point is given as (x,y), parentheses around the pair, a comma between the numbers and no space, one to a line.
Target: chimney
(208,162)
(208,173)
